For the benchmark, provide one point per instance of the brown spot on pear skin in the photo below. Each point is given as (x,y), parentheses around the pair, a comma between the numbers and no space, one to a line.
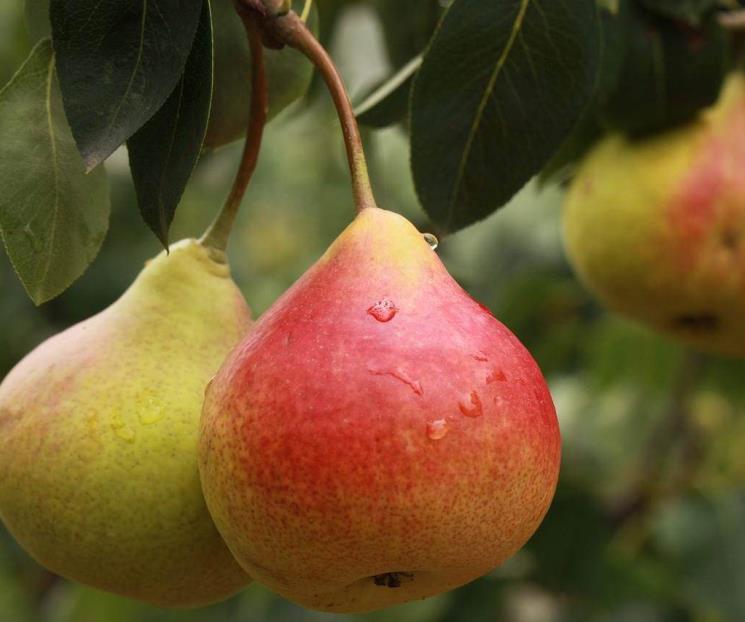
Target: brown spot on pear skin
(697,322)
(730,239)
(393,579)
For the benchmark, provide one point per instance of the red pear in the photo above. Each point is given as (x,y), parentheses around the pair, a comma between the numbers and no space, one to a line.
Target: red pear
(379,436)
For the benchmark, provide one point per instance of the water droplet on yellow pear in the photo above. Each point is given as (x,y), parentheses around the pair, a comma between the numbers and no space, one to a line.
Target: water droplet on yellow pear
(431,240)
(121,429)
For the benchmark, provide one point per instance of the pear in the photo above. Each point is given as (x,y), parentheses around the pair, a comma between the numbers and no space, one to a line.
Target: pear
(99,479)
(379,436)
(656,227)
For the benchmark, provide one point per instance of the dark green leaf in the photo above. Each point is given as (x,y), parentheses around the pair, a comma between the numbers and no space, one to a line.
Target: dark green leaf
(387,103)
(670,71)
(560,167)
(407,27)
(575,519)
(502,85)
(37,19)
(118,62)
(288,76)
(692,11)
(164,152)
(53,217)
(590,129)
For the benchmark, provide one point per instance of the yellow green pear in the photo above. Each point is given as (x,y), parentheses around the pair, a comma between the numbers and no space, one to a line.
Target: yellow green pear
(98,437)
(656,227)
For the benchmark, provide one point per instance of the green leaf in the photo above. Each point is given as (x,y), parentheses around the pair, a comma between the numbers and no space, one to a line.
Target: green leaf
(288,75)
(53,217)
(37,19)
(590,129)
(670,71)
(705,539)
(501,86)
(164,152)
(388,102)
(118,62)
(691,11)
(407,27)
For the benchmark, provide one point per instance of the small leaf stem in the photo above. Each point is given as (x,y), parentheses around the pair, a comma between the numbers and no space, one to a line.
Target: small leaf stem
(307,8)
(216,237)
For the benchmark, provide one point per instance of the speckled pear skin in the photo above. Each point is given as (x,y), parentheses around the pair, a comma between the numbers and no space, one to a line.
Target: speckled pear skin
(98,438)
(656,228)
(379,437)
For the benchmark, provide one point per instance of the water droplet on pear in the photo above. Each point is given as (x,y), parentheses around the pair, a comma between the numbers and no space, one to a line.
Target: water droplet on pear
(383,310)
(437,430)
(431,240)
(472,407)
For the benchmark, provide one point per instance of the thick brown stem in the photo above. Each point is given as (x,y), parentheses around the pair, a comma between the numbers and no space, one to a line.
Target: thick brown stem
(291,30)
(217,235)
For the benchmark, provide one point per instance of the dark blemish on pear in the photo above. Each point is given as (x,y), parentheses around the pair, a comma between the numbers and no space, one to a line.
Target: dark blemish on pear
(730,239)
(383,310)
(480,356)
(697,322)
(392,579)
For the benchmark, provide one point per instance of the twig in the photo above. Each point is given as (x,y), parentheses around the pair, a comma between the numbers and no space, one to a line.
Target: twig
(217,235)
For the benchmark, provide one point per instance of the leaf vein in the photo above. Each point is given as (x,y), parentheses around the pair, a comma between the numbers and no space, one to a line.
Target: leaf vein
(517,25)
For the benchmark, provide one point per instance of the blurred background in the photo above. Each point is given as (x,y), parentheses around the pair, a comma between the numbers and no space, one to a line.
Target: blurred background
(649,520)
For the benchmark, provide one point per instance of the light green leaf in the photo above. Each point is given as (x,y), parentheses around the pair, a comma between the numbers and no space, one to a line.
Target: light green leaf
(53,217)
(37,19)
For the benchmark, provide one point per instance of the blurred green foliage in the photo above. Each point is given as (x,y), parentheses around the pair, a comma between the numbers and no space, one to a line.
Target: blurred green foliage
(649,520)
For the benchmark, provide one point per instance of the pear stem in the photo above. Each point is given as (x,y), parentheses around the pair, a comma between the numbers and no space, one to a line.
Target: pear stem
(292,31)
(217,235)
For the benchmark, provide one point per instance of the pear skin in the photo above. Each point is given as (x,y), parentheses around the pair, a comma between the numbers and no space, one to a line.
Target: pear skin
(99,479)
(656,228)
(379,436)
